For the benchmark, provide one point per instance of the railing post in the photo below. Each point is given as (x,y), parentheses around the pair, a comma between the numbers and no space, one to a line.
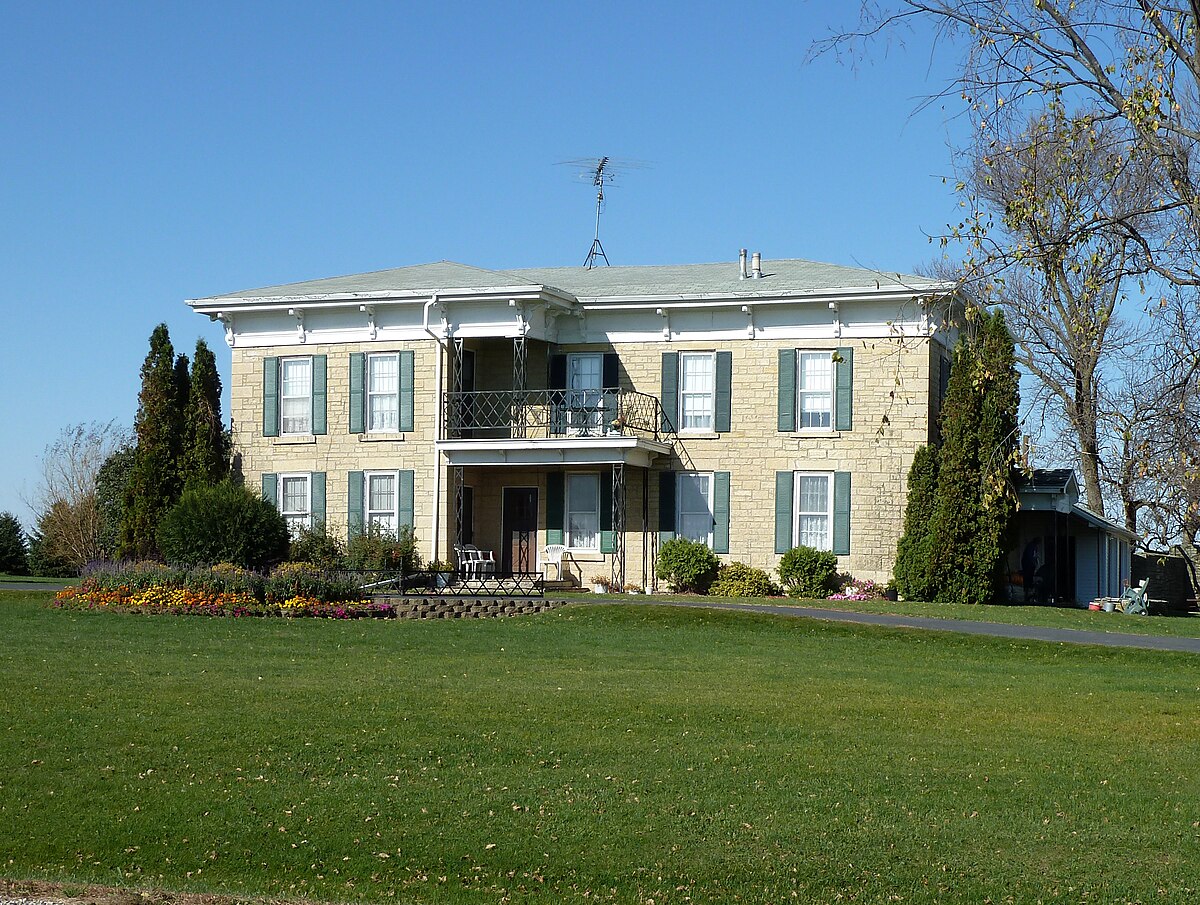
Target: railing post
(618,524)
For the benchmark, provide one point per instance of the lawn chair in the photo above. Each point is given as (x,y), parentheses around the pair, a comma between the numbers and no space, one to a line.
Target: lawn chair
(553,555)
(481,561)
(1135,601)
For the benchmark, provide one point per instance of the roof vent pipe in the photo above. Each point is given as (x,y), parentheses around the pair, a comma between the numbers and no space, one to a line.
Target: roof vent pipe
(742,274)
(756,265)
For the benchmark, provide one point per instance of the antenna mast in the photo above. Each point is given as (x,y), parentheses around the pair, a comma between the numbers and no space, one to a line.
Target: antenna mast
(598,179)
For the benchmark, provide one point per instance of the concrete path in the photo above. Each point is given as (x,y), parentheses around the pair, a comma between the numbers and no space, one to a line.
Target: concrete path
(962,626)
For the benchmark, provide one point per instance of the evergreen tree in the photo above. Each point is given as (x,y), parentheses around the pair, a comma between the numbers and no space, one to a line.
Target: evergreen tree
(14,552)
(111,482)
(1000,386)
(154,478)
(205,455)
(913,571)
(971,522)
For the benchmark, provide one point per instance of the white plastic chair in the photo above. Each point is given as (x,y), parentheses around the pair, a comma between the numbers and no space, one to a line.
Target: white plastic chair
(553,555)
(482,561)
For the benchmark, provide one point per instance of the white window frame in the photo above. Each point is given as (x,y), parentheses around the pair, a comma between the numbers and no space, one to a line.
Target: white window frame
(369,514)
(375,356)
(568,539)
(801,393)
(296,518)
(827,513)
(283,398)
(710,394)
(585,406)
(680,477)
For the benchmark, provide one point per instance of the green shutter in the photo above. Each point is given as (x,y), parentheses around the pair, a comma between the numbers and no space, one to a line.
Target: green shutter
(783,511)
(608,542)
(723,416)
(317,494)
(841,512)
(845,389)
(270,397)
(319,367)
(270,489)
(406,514)
(354,508)
(666,505)
(554,507)
(406,391)
(787,391)
(721,512)
(670,391)
(358,396)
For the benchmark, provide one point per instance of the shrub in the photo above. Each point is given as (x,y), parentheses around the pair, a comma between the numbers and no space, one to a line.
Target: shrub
(740,580)
(379,550)
(688,566)
(223,523)
(809,573)
(315,545)
(854,589)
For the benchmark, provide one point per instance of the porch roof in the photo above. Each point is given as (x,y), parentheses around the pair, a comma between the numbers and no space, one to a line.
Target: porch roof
(636,451)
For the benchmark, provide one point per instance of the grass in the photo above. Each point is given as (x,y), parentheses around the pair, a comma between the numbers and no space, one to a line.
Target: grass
(593,753)
(36,579)
(1045,616)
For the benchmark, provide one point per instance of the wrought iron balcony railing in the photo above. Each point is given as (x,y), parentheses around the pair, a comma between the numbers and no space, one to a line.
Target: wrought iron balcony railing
(546,414)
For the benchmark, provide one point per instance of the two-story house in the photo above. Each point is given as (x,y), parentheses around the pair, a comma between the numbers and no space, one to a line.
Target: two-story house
(753,406)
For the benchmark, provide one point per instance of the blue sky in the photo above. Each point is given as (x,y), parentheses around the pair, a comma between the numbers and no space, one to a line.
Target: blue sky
(157,152)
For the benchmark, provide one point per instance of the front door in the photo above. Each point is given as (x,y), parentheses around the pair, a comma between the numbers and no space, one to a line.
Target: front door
(519,529)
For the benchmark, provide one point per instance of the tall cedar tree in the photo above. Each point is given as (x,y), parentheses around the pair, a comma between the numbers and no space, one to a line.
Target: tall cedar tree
(154,479)
(913,555)
(971,523)
(111,482)
(14,552)
(998,434)
(205,456)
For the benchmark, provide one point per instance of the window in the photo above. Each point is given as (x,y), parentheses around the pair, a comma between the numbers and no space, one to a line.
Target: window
(814,384)
(296,395)
(381,500)
(814,511)
(585,380)
(383,393)
(696,371)
(583,511)
(693,507)
(296,502)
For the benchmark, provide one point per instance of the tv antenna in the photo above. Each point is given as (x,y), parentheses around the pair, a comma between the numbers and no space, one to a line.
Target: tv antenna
(600,171)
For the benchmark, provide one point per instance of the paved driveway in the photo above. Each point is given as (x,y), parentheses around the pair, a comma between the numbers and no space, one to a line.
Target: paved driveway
(962,626)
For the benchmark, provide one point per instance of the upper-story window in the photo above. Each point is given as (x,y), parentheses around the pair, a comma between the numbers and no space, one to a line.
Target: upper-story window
(696,390)
(814,385)
(585,383)
(295,395)
(383,393)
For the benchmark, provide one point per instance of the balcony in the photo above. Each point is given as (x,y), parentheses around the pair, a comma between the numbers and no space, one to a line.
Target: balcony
(542,427)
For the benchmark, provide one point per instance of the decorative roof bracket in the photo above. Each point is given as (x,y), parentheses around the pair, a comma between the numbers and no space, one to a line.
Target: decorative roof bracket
(369,311)
(298,314)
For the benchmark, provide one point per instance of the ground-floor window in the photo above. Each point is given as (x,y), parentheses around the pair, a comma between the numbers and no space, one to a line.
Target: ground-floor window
(583,511)
(813,510)
(295,499)
(693,507)
(381,500)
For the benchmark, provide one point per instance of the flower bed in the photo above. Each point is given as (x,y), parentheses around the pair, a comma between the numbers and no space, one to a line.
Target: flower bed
(294,591)
(859,590)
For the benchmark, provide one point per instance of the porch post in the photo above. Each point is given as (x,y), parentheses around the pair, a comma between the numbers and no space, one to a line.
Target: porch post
(647,558)
(457,478)
(519,382)
(455,408)
(618,523)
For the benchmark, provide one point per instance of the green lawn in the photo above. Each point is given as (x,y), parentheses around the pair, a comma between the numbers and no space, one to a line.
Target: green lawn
(593,753)
(35,579)
(1045,616)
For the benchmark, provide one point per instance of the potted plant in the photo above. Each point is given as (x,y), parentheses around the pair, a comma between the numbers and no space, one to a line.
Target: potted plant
(442,573)
(601,584)
(633,588)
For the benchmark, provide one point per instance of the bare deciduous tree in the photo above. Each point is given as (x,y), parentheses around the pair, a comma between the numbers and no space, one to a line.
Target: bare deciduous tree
(68,518)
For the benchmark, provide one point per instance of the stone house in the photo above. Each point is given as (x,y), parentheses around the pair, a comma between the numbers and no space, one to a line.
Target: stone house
(754,406)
